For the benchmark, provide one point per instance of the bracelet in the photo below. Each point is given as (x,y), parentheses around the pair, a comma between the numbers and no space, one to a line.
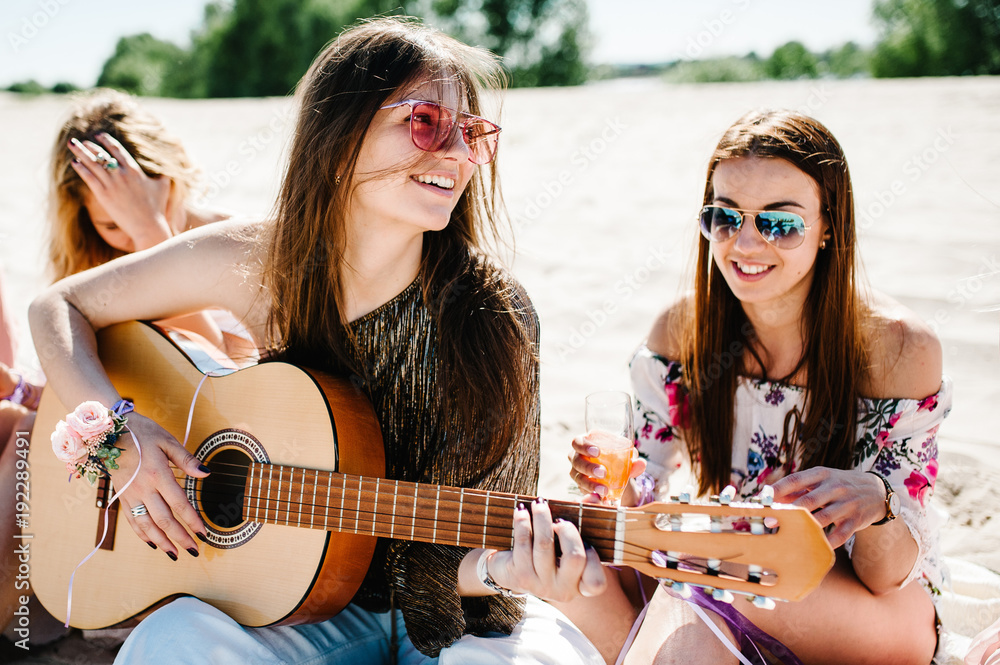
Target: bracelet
(20,391)
(646,489)
(483,573)
(85,439)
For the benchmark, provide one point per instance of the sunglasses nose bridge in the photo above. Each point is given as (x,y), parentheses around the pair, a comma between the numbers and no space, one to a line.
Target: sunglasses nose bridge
(749,237)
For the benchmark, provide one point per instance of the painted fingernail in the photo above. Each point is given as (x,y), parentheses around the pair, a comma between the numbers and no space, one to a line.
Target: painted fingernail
(192,551)
(594,451)
(151,544)
(204,469)
(558,520)
(600,472)
(201,536)
(540,501)
(521,506)
(173,557)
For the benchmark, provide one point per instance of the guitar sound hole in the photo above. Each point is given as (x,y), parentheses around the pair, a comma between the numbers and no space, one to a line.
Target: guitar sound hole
(222,492)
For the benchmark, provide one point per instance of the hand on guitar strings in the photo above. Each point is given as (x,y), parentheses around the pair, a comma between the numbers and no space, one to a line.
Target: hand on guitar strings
(532,566)
(168,511)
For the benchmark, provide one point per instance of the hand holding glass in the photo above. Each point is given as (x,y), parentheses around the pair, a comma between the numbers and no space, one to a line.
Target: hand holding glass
(608,419)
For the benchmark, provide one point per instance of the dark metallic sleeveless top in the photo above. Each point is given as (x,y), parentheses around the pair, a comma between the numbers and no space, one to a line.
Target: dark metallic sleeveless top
(398,352)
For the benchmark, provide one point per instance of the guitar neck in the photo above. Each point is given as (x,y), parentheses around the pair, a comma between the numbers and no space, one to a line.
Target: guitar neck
(402,510)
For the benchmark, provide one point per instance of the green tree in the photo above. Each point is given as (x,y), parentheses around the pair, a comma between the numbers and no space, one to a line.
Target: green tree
(791,61)
(937,37)
(140,64)
(848,60)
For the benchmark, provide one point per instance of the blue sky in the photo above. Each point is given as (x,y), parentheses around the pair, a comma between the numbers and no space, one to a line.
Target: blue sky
(69,40)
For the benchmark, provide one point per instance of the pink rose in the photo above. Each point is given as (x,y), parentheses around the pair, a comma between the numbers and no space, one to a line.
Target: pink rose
(919,486)
(928,403)
(90,420)
(882,439)
(68,445)
(678,406)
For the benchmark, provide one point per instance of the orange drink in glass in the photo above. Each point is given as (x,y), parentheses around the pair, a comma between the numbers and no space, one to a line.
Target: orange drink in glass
(608,417)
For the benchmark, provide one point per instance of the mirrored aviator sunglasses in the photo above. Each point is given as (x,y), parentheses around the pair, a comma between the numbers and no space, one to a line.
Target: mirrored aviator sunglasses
(784,230)
(431,128)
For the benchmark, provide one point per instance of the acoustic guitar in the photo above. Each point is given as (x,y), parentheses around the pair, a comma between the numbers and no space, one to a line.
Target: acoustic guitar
(296,502)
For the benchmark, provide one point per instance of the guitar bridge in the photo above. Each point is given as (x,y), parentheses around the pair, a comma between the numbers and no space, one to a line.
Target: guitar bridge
(104,490)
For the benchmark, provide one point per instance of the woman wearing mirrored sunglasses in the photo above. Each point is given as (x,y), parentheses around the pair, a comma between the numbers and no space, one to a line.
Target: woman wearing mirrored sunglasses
(373,266)
(781,370)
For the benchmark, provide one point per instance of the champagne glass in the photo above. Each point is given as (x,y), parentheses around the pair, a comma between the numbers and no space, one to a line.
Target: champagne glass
(608,420)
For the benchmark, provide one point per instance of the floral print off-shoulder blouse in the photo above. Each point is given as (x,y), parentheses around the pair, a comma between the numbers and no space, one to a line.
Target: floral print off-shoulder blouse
(897,438)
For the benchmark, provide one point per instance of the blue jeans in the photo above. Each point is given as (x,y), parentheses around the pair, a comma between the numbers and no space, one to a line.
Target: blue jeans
(188,631)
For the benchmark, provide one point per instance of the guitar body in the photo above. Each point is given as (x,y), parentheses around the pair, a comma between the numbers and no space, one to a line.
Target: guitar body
(260,574)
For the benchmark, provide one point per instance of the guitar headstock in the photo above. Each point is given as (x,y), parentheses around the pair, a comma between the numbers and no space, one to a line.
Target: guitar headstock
(772,551)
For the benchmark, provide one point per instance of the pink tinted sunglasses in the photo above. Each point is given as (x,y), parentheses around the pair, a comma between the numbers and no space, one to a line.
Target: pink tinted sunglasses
(431,125)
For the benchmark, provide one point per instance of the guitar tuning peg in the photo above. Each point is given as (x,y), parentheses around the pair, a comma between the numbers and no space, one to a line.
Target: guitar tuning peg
(685,496)
(723,596)
(727,495)
(681,589)
(766,495)
(763,602)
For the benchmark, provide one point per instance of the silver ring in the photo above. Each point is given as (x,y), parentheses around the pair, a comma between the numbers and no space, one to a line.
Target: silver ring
(139,510)
(102,156)
(111,164)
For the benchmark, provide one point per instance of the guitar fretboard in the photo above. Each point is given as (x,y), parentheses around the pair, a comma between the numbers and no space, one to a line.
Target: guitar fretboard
(409,511)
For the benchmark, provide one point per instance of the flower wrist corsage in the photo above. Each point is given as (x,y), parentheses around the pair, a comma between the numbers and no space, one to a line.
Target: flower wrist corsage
(85,440)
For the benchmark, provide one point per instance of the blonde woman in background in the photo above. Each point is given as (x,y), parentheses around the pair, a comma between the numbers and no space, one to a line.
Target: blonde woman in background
(121,183)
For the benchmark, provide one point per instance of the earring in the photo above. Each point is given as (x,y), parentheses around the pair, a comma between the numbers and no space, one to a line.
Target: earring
(822,243)
(337,180)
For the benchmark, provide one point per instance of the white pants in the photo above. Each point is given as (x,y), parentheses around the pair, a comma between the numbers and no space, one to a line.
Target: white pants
(188,631)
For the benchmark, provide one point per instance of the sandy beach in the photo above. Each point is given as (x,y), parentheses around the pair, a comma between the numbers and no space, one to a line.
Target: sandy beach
(602,183)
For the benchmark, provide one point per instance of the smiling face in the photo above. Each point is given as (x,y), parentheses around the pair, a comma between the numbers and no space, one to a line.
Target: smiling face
(401,185)
(759,273)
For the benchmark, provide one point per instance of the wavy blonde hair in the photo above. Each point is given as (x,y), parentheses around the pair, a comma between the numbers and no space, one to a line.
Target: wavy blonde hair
(74,244)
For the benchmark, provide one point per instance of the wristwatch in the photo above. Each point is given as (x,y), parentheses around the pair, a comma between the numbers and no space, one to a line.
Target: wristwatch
(891,501)
(483,572)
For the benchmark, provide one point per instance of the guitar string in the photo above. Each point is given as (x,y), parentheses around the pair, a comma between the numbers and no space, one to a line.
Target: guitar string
(446,497)
(630,553)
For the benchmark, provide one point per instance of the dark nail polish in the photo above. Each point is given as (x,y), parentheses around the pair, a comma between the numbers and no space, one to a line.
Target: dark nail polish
(151,544)
(204,469)
(192,551)
(540,501)
(201,536)
(521,506)
(559,520)
(173,557)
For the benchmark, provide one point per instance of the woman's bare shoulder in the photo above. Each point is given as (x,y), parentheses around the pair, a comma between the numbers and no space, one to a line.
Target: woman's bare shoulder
(905,359)
(668,329)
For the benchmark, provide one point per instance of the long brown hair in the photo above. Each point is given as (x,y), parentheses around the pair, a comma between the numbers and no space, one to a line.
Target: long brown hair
(717,332)
(74,244)
(482,336)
